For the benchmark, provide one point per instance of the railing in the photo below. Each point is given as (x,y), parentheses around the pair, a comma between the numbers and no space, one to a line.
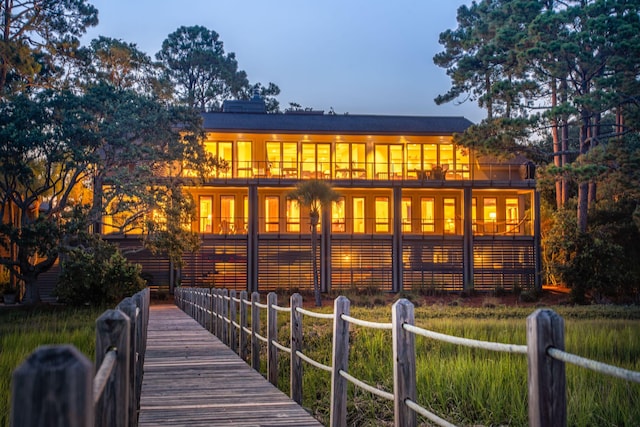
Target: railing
(215,309)
(368,171)
(56,386)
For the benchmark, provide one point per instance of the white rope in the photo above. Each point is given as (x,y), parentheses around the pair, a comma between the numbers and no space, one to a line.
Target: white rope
(370,389)
(485,345)
(283,309)
(313,362)
(430,415)
(366,323)
(594,365)
(261,305)
(281,347)
(247,330)
(261,338)
(314,314)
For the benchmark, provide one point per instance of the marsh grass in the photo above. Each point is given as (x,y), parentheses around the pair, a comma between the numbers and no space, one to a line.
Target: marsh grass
(470,386)
(23,330)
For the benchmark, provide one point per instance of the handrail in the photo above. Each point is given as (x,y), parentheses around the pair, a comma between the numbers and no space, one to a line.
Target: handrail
(545,343)
(102,376)
(594,365)
(112,393)
(485,345)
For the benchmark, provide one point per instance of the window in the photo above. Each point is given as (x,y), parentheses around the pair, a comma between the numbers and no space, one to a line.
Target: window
(227,214)
(245,205)
(474,214)
(449,211)
(427,214)
(223,151)
(338,216)
(293,216)
(245,159)
(512,215)
(316,160)
(388,161)
(358,215)
(272,214)
(489,213)
(206,214)
(382,214)
(406,215)
(350,160)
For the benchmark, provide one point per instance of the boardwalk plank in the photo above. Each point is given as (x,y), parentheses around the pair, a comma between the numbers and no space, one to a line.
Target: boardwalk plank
(192,379)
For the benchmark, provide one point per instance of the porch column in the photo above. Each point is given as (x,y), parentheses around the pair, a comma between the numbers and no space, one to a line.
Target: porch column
(467,250)
(536,241)
(325,252)
(252,240)
(396,245)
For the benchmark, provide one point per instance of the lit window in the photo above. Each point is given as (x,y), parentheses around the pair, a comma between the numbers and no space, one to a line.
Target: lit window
(512,215)
(406,214)
(358,214)
(427,214)
(338,216)
(245,158)
(474,214)
(227,214)
(245,204)
(206,214)
(449,212)
(293,216)
(272,214)
(382,214)
(489,214)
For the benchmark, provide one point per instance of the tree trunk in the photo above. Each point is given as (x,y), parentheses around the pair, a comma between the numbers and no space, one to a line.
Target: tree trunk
(32,291)
(556,143)
(314,261)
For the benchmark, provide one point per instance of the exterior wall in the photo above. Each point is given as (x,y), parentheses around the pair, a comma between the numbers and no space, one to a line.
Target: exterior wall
(479,233)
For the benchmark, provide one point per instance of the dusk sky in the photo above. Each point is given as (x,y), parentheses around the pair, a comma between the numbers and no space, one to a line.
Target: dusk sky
(356,56)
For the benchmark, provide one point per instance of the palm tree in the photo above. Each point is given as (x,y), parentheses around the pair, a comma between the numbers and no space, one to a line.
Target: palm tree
(315,195)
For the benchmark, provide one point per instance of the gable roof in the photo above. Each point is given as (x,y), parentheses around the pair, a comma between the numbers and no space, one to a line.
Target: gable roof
(333,123)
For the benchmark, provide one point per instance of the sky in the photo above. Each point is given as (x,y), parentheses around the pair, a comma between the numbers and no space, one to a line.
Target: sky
(355,56)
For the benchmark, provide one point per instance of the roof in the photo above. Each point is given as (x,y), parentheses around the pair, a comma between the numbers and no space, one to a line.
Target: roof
(333,123)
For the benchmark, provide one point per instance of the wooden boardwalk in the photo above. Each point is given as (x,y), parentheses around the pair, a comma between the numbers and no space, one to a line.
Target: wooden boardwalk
(193,379)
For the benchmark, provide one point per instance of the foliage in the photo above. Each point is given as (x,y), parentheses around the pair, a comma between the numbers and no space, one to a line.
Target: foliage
(37,38)
(314,195)
(475,387)
(22,330)
(96,273)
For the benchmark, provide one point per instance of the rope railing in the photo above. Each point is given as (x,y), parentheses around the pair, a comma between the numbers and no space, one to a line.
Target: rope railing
(102,376)
(57,383)
(544,350)
(593,365)
(484,345)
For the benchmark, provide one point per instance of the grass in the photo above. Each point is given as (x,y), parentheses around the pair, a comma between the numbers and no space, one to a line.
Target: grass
(469,386)
(463,385)
(22,330)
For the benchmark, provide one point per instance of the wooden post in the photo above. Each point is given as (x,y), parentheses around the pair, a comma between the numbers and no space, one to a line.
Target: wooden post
(546,376)
(219,320)
(404,363)
(233,332)
(128,307)
(225,316)
(243,324)
(53,387)
(340,362)
(255,329)
(295,375)
(141,331)
(272,335)
(112,331)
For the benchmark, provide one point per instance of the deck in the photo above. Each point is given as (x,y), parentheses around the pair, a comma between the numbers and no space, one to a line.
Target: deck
(193,379)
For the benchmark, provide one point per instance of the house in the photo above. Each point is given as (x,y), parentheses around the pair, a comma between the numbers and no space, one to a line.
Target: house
(415,213)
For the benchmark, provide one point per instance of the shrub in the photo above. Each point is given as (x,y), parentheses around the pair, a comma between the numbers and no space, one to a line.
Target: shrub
(97,274)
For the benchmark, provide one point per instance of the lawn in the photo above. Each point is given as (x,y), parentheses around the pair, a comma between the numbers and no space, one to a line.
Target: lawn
(23,330)
(465,386)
